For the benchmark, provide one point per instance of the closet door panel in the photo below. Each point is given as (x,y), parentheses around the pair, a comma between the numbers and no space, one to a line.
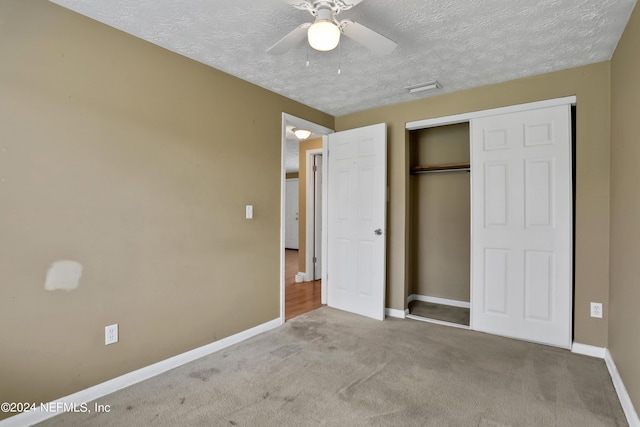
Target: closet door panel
(538,192)
(539,285)
(496,185)
(496,277)
(521,203)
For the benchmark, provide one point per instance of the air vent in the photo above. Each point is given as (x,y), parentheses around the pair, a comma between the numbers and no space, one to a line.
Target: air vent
(432,85)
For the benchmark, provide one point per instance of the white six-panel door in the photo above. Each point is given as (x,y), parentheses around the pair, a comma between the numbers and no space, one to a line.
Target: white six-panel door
(356,217)
(521,225)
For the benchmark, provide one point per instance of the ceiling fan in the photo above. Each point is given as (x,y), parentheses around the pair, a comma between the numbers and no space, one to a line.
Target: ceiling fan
(324,33)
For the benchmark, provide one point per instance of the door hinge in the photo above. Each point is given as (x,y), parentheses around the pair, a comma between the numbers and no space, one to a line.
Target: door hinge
(315,168)
(315,260)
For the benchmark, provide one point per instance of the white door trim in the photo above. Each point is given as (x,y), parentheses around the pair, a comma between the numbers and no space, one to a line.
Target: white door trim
(325,219)
(288,119)
(309,208)
(465,117)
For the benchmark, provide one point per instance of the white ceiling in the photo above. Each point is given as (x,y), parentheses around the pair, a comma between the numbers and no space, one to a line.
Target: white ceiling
(461,43)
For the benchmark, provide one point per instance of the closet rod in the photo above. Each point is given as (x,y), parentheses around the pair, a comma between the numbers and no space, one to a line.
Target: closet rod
(441,168)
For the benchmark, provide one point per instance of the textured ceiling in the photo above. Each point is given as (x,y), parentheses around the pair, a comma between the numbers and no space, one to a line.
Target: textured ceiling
(460,43)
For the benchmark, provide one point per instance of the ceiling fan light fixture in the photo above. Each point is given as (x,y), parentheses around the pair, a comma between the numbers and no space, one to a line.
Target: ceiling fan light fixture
(301,133)
(323,35)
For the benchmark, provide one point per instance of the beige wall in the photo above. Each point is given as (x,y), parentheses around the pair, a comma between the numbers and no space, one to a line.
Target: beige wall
(624,314)
(117,154)
(124,157)
(440,214)
(591,86)
(310,144)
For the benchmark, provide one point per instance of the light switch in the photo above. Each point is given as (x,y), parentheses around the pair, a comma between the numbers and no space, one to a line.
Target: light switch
(249,211)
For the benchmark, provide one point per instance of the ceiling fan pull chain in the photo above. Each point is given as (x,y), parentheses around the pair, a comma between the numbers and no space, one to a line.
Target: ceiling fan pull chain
(307,54)
(339,56)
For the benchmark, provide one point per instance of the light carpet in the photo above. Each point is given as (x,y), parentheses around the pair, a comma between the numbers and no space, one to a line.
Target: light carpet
(332,368)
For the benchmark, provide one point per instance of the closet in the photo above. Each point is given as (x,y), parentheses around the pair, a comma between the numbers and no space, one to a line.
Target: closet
(440,212)
(491,221)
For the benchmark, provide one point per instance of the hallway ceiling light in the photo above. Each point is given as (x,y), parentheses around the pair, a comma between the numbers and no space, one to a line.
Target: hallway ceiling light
(301,133)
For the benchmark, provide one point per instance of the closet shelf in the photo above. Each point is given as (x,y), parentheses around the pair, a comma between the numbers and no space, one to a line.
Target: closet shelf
(441,168)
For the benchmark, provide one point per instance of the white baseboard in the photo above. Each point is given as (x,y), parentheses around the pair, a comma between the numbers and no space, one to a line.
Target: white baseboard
(436,300)
(623,396)
(588,350)
(301,276)
(126,380)
(392,312)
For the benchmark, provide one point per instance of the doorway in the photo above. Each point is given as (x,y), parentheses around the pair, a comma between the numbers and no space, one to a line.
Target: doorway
(301,287)
(353,220)
(303,274)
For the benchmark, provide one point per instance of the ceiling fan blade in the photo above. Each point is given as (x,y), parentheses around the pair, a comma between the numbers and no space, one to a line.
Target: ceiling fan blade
(300,4)
(309,4)
(373,41)
(351,3)
(290,41)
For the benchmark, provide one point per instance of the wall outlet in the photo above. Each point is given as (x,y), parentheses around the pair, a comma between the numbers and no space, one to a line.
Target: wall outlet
(596,310)
(111,334)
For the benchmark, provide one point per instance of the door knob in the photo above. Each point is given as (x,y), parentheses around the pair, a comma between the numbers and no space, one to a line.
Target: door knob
(378,232)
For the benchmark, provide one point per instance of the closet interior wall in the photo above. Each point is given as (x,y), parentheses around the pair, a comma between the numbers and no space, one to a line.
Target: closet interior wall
(440,214)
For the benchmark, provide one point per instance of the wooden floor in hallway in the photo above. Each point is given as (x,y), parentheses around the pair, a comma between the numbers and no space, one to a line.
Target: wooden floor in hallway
(300,297)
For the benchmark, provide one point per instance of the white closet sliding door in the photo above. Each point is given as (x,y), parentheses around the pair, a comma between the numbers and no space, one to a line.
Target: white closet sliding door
(522,225)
